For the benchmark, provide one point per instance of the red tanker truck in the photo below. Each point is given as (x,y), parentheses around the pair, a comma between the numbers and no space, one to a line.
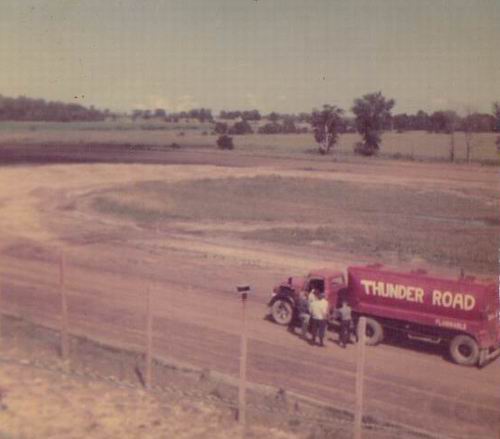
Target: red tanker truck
(462,314)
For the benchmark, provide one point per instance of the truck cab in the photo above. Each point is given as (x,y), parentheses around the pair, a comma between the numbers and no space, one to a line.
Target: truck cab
(283,303)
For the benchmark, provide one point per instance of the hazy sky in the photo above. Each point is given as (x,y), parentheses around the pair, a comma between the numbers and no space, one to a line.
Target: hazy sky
(283,55)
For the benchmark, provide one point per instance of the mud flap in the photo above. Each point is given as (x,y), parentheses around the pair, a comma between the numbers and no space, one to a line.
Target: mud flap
(485,356)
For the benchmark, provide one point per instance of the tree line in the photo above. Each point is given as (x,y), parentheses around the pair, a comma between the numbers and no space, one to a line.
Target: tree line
(238,122)
(442,121)
(284,123)
(28,109)
(373,116)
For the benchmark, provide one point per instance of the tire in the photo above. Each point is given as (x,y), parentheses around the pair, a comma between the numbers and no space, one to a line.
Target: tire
(282,312)
(464,350)
(374,332)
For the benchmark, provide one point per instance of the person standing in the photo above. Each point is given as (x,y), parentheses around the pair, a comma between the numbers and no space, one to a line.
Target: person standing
(346,325)
(319,313)
(304,313)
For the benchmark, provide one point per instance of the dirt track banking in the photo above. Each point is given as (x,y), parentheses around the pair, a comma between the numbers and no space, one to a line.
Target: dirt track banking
(110,263)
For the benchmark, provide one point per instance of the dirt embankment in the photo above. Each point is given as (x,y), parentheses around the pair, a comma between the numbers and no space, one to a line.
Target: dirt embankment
(99,393)
(40,397)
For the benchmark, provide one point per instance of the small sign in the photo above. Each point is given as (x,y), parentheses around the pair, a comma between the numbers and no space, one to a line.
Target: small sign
(243,290)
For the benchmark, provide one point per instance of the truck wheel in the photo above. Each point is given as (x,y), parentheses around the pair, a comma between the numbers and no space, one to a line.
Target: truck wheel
(374,332)
(282,311)
(464,350)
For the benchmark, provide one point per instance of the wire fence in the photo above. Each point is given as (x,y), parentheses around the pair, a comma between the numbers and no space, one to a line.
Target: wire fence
(266,401)
(290,411)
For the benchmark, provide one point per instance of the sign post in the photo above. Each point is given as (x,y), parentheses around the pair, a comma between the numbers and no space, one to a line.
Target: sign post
(243,290)
(360,371)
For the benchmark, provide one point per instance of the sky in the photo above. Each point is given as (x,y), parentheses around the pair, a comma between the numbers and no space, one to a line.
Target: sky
(272,55)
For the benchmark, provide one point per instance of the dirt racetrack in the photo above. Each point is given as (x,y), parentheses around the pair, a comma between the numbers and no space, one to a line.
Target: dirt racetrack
(192,269)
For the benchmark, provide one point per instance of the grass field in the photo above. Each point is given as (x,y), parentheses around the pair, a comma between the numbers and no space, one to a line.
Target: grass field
(439,226)
(416,145)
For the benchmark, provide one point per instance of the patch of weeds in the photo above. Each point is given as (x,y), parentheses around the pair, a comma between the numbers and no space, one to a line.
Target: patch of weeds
(110,206)
(216,393)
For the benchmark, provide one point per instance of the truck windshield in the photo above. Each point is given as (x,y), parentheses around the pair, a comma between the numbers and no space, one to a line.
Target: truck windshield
(338,280)
(317,283)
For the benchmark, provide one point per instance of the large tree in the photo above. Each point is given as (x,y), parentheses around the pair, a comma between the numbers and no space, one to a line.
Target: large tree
(373,114)
(327,124)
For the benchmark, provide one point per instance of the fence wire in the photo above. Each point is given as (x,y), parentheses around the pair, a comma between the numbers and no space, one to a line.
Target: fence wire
(281,411)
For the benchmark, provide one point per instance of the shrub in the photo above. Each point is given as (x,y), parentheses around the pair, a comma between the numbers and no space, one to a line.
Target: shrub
(361,148)
(270,128)
(225,142)
(288,126)
(240,128)
(220,128)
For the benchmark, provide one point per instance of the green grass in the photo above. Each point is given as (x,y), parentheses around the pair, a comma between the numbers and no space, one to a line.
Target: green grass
(416,145)
(274,198)
(369,219)
(457,246)
(107,125)
(137,213)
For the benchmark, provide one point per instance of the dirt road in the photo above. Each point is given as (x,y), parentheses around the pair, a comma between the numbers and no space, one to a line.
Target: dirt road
(197,314)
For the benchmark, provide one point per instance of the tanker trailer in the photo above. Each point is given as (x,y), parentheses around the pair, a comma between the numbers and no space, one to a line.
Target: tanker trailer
(464,314)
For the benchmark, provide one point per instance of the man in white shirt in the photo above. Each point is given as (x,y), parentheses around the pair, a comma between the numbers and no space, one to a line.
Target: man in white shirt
(319,312)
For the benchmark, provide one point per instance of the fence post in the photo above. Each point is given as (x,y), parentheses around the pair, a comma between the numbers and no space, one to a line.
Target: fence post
(64,309)
(149,341)
(243,364)
(1,309)
(360,371)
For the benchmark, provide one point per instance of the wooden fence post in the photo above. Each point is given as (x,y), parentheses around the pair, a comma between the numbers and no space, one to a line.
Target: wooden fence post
(1,309)
(149,341)
(64,309)
(243,365)
(360,371)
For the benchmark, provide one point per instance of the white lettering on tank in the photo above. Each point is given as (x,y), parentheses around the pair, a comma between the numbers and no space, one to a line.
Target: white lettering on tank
(470,302)
(447,299)
(392,290)
(419,295)
(410,294)
(436,297)
(379,289)
(367,284)
(458,301)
